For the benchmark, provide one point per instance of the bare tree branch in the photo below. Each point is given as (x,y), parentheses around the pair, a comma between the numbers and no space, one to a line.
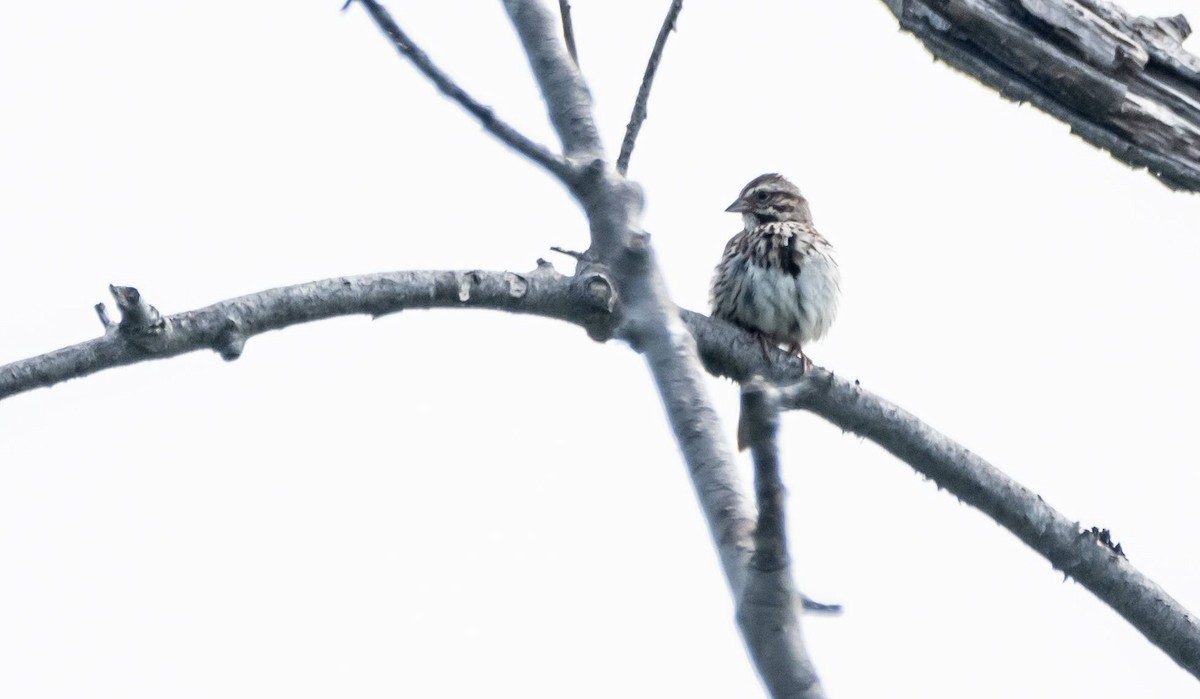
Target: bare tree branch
(587,300)
(1096,564)
(567,98)
(728,351)
(497,126)
(643,96)
(767,611)
(564,9)
(652,324)
(650,320)
(1123,83)
(731,352)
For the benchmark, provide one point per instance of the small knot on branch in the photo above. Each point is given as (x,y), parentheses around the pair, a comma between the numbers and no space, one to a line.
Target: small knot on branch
(517,284)
(230,341)
(140,322)
(136,314)
(545,269)
(638,244)
(600,292)
(592,283)
(467,281)
(1176,26)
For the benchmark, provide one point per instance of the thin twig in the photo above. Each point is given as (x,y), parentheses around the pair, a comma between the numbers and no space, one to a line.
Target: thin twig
(643,95)
(564,8)
(579,256)
(102,313)
(811,606)
(499,128)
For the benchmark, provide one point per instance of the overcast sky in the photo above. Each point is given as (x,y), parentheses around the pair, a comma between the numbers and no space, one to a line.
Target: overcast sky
(461,503)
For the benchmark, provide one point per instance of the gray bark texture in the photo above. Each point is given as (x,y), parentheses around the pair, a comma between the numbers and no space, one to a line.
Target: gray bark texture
(651,323)
(588,300)
(766,611)
(1122,82)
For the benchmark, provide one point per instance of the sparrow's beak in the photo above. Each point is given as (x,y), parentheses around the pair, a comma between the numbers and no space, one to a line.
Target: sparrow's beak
(738,207)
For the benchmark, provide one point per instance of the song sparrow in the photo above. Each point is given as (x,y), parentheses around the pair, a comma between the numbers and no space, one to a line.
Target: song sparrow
(777,278)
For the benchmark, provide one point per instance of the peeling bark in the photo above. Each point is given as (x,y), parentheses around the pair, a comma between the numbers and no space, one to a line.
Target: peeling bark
(1123,83)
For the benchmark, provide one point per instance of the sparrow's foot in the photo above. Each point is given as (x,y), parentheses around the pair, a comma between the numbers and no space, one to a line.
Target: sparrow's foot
(764,344)
(805,362)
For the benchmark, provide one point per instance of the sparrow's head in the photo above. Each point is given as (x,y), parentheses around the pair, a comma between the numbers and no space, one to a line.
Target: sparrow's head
(769,198)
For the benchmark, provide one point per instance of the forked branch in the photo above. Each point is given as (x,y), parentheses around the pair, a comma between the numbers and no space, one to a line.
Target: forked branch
(650,320)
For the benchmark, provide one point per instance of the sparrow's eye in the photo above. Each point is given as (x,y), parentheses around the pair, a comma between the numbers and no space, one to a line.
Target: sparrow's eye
(761,195)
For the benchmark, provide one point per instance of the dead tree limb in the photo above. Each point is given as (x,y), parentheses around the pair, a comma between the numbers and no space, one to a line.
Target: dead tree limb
(1123,83)
(646,318)
(568,101)
(588,300)
(769,610)
(224,327)
(649,319)
(1090,559)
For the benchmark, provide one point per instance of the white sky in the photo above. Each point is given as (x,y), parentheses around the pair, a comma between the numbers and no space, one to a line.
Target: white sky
(449,504)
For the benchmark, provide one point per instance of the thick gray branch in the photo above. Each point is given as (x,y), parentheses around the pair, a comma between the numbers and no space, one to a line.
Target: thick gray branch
(1123,83)
(587,300)
(224,327)
(567,98)
(1082,555)
(650,320)
(768,609)
(728,351)
(651,324)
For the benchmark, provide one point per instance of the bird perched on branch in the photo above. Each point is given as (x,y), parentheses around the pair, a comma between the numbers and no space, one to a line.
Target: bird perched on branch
(777,278)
